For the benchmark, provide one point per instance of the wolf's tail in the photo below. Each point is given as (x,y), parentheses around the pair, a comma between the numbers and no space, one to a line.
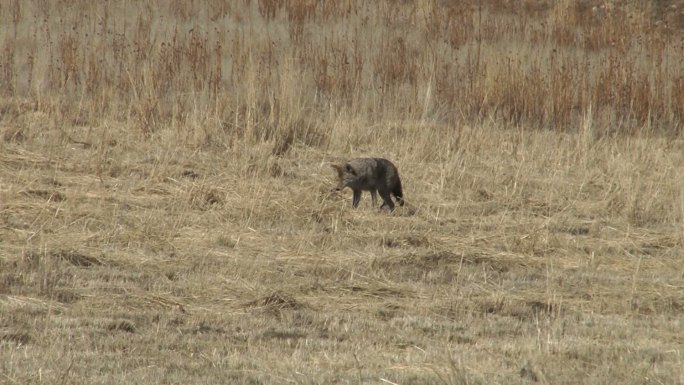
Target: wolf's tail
(397,192)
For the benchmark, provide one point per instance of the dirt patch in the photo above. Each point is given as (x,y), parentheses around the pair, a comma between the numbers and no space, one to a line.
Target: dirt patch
(19,338)
(276,301)
(48,195)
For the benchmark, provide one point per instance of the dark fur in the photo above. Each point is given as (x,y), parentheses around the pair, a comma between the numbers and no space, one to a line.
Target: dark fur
(376,175)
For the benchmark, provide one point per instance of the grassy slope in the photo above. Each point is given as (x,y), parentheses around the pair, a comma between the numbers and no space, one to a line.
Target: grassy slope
(167,242)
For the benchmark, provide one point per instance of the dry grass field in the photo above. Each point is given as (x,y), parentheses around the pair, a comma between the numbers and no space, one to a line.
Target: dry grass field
(166,214)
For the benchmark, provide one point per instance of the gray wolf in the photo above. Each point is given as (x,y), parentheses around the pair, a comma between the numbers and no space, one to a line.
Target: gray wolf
(370,174)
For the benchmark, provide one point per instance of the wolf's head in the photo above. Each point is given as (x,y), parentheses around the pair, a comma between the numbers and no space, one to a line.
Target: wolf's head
(345,175)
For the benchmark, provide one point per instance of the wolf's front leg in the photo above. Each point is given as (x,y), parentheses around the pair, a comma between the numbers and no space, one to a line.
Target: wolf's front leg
(387,200)
(356,198)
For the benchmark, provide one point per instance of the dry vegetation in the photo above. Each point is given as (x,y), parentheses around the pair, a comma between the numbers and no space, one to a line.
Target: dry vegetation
(166,214)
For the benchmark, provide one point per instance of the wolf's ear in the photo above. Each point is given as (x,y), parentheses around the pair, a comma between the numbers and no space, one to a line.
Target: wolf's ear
(349,169)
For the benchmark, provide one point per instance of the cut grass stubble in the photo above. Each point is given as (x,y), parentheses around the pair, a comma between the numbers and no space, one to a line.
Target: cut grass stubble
(166,214)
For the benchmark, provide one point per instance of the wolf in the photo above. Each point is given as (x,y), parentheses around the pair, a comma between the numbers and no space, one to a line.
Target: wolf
(370,174)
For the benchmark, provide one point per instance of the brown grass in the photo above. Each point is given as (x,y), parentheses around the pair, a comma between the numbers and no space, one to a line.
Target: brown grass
(166,214)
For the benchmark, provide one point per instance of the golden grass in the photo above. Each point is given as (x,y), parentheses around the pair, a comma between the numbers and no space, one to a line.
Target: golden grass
(166,213)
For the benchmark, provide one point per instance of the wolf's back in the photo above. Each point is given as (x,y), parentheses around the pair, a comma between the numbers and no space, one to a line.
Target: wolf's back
(377,172)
